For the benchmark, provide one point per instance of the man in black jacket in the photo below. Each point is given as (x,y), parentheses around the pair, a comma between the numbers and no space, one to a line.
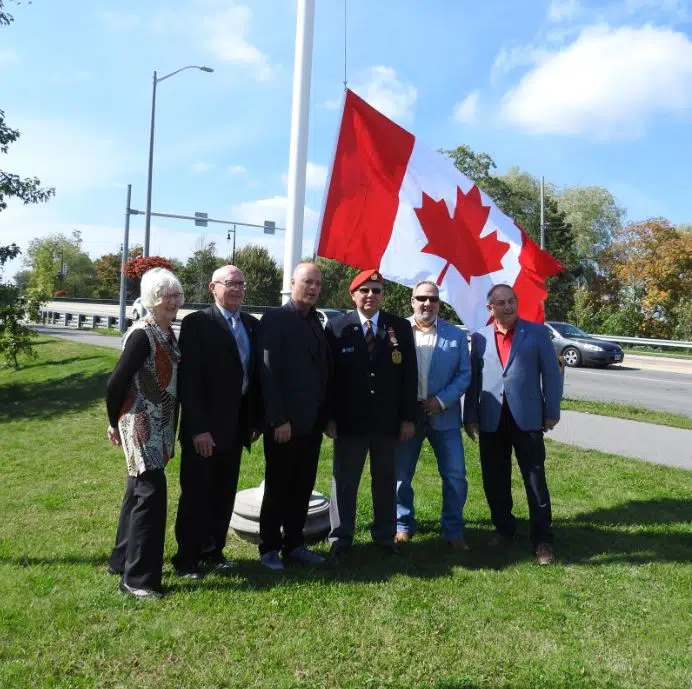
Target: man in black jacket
(221,408)
(372,407)
(295,377)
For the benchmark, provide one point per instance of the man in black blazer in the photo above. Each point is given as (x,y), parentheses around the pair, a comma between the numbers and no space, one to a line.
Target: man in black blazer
(295,378)
(221,409)
(372,408)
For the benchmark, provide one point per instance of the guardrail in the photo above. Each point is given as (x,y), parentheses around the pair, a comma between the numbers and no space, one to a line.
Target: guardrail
(644,341)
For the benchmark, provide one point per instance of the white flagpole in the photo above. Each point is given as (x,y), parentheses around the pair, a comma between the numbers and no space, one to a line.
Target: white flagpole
(297,157)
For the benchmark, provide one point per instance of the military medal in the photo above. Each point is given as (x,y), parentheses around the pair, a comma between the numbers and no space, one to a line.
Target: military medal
(396,354)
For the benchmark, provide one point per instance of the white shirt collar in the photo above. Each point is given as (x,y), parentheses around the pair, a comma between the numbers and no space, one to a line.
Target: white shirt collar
(373,319)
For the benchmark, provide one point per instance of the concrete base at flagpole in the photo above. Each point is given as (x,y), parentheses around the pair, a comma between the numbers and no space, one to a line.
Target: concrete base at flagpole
(246,512)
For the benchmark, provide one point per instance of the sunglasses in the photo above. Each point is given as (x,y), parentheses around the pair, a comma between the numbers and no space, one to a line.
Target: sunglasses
(374,290)
(421,299)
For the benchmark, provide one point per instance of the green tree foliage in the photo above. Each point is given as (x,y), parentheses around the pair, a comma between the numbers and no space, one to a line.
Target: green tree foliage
(262,274)
(15,309)
(336,277)
(196,275)
(45,255)
(594,216)
(108,270)
(15,337)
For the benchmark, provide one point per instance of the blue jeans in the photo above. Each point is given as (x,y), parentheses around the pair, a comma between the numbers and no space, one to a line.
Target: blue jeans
(449,452)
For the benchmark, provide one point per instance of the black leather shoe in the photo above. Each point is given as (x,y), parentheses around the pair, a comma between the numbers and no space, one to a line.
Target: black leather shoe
(140,594)
(193,572)
(390,548)
(337,553)
(113,571)
(222,565)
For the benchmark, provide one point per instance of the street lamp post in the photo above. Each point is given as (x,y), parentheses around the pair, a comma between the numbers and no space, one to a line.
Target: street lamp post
(156,80)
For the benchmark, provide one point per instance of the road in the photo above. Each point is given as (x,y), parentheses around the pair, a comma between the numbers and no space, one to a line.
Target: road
(642,387)
(639,383)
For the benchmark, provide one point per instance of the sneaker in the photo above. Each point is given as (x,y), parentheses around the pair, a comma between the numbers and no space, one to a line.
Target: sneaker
(193,572)
(140,594)
(545,554)
(271,560)
(305,556)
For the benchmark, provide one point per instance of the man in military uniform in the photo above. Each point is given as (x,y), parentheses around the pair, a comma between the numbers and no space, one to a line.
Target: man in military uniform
(372,408)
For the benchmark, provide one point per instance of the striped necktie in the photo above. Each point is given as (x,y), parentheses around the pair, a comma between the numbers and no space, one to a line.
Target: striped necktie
(370,339)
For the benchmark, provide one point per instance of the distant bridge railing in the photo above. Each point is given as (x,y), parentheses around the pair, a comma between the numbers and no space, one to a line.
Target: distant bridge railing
(644,341)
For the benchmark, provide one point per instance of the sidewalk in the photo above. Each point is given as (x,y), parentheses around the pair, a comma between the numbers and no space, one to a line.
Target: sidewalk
(647,441)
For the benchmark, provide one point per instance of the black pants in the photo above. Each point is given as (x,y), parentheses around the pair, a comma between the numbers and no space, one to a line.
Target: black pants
(138,551)
(496,465)
(207,493)
(289,478)
(350,452)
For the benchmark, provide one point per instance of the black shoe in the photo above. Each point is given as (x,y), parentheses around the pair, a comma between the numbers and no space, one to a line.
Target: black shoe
(113,571)
(390,548)
(222,565)
(140,594)
(191,572)
(338,553)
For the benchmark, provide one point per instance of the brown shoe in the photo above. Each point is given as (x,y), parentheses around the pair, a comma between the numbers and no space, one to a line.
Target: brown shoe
(455,545)
(545,554)
(499,541)
(402,537)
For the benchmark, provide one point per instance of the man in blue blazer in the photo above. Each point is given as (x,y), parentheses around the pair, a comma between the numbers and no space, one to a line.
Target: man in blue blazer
(443,375)
(513,399)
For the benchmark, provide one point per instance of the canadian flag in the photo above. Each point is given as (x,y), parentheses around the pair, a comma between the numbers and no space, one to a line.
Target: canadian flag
(399,207)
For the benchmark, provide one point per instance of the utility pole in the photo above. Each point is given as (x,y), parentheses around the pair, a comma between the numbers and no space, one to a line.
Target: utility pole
(123,261)
(542,212)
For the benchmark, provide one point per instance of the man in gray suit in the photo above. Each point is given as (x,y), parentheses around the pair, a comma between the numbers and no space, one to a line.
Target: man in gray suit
(514,397)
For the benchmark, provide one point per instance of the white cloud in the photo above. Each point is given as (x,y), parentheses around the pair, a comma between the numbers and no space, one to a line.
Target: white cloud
(510,58)
(606,84)
(564,10)
(225,30)
(382,89)
(237,169)
(68,155)
(119,21)
(467,111)
(201,166)
(315,176)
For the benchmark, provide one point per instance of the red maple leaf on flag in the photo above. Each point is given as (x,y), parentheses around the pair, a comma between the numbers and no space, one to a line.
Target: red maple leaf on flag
(458,239)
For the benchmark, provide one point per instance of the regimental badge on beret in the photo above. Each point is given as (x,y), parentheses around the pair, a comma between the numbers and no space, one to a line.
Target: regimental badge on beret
(365,276)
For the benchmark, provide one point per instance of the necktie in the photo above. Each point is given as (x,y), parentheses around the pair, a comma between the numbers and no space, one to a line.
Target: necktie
(243,346)
(370,339)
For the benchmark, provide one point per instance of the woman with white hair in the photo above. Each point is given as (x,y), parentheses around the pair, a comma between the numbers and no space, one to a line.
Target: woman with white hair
(142,413)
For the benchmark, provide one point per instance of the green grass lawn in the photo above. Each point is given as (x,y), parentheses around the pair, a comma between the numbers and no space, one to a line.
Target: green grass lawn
(628,411)
(614,612)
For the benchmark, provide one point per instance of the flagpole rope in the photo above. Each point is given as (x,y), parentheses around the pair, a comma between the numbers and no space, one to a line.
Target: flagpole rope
(345,79)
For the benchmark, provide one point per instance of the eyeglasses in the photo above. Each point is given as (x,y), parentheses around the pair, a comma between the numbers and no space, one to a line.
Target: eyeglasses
(366,290)
(424,297)
(172,297)
(232,284)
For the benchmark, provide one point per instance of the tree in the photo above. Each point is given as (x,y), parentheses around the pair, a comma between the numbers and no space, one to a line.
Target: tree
(649,264)
(108,271)
(196,275)
(594,216)
(336,278)
(15,337)
(58,262)
(262,275)
(21,280)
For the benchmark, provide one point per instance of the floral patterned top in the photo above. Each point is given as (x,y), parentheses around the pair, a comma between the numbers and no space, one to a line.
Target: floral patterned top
(148,415)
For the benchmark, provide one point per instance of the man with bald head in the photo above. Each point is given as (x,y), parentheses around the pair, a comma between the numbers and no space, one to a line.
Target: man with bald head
(295,372)
(218,387)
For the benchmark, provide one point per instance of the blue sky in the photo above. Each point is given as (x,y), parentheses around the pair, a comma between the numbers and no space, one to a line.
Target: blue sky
(578,91)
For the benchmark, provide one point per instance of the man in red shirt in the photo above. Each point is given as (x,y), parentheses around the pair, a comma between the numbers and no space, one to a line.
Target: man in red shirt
(514,397)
